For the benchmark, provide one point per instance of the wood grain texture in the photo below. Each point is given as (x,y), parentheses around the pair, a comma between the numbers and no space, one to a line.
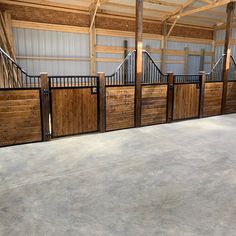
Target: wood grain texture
(74,111)
(212,99)
(20,117)
(231,98)
(186,101)
(119,107)
(154,104)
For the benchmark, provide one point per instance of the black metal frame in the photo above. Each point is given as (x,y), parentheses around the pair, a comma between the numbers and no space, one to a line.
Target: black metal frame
(16,76)
(60,83)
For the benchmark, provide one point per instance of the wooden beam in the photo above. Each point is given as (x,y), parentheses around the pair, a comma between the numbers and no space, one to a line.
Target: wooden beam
(186,54)
(163,3)
(227,52)
(202,60)
(94,12)
(172,26)
(170,97)
(179,10)
(138,64)
(164,46)
(45,106)
(102,101)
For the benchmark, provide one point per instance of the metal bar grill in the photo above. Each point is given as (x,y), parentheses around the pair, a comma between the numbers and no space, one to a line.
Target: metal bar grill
(73,81)
(13,76)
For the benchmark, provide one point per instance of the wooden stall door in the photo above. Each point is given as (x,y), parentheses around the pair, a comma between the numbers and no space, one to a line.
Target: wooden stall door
(20,116)
(231,98)
(212,99)
(74,111)
(154,104)
(119,107)
(186,101)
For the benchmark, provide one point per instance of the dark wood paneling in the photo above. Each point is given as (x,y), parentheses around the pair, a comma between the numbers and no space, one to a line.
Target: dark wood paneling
(186,101)
(119,107)
(20,118)
(74,111)
(212,99)
(154,104)
(231,98)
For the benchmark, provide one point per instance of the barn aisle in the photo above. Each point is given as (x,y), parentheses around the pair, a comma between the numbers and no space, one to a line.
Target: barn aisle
(171,179)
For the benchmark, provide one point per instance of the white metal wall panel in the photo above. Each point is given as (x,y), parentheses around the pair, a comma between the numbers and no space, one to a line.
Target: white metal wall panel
(103,40)
(219,50)
(193,64)
(175,68)
(220,35)
(192,46)
(108,68)
(207,68)
(152,43)
(179,68)
(43,43)
(34,67)
(233,51)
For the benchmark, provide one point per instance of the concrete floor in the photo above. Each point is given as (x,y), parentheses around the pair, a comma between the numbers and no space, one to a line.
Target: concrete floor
(175,179)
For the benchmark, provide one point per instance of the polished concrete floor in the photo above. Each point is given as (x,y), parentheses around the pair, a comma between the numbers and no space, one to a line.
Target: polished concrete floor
(175,179)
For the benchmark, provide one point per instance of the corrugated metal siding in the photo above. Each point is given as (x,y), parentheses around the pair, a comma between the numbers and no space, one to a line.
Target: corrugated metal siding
(43,43)
(192,46)
(114,41)
(207,68)
(175,68)
(220,35)
(179,68)
(193,64)
(219,50)
(108,68)
(151,43)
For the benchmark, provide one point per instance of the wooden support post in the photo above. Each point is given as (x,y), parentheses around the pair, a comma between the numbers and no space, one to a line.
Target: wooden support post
(126,64)
(170,97)
(92,49)
(45,106)
(125,48)
(164,46)
(202,60)
(186,53)
(227,51)
(92,39)
(213,47)
(138,64)
(102,102)
(202,93)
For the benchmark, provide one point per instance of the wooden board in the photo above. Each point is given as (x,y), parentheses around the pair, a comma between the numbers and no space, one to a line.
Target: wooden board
(20,117)
(212,99)
(74,111)
(154,104)
(186,101)
(119,107)
(231,98)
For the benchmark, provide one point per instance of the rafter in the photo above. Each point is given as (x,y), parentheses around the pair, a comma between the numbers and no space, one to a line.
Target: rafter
(163,3)
(179,10)
(93,10)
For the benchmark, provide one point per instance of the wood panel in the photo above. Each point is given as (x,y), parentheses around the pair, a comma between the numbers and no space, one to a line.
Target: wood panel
(186,101)
(20,117)
(119,107)
(154,104)
(212,99)
(231,98)
(74,111)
